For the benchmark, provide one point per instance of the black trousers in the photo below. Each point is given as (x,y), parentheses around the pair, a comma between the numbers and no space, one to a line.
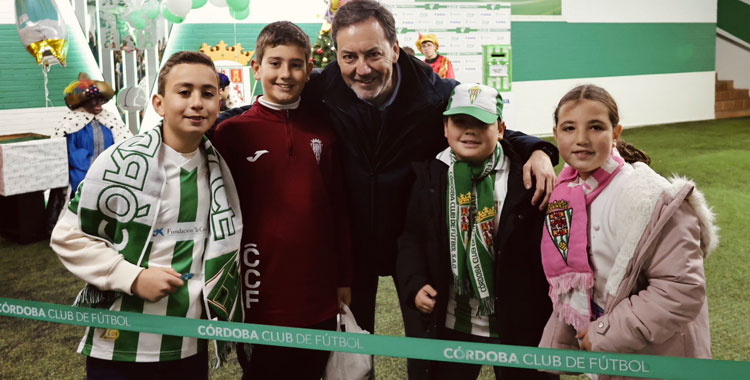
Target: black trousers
(261,362)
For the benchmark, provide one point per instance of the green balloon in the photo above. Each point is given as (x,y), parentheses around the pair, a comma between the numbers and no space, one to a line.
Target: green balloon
(137,20)
(171,17)
(199,3)
(151,9)
(238,5)
(240,15)
(152,13)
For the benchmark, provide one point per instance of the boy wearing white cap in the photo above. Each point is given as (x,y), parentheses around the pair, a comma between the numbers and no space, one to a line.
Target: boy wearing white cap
(469,258)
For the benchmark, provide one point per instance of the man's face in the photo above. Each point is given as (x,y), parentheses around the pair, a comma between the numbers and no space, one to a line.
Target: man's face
(94,105)
(366,60)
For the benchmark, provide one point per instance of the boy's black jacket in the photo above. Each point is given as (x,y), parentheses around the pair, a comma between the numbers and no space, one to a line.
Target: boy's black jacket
(521,301)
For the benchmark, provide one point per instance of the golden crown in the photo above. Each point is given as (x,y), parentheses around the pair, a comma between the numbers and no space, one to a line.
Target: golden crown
(464,199)
(558,205)
(485,213)
(224,52)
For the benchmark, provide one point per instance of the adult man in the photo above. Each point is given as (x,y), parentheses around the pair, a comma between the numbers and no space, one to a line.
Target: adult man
(386,108)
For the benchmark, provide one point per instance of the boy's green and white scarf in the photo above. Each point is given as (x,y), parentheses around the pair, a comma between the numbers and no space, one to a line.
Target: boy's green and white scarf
(119,201)
(471,217)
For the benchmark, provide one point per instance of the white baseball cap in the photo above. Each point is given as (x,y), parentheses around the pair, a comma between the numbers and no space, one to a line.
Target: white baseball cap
(477,100)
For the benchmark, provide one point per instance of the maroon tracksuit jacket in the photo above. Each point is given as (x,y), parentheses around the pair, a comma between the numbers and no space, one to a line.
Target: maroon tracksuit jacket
(295,247)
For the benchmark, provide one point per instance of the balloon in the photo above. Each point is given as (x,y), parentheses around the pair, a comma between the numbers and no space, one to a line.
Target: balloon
(198,3)
(333,6)
(240,15)
(133,98)
(218,3)
(151,8)
(238,5)
(170,17)
(137,19)
(179,8)
(42,31)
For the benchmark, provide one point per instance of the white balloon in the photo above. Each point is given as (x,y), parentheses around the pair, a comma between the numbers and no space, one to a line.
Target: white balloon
(179,8)
(132,98)
(218,3)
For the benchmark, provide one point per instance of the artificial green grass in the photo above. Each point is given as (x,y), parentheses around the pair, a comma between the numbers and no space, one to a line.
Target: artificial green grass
(715,154)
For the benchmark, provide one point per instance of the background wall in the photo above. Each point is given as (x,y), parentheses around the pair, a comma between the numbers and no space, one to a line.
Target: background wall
(656,58)
(733,42)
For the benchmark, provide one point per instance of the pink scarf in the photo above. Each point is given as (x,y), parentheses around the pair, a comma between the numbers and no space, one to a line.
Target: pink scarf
(565,243)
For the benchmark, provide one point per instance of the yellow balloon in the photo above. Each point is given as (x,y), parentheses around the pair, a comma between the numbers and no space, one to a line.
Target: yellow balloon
(335,4)
(49,52)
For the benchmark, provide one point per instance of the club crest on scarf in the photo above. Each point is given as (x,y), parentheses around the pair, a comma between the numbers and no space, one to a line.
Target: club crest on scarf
(558,221)
(486,221)
(464,204)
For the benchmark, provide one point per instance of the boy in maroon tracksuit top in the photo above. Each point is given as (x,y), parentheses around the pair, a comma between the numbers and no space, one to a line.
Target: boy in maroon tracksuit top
(296,248)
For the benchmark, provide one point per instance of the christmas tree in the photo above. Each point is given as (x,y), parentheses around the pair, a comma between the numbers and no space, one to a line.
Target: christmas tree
(323,51)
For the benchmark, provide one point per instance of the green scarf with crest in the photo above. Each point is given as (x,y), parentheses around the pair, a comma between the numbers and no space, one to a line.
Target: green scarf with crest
(471,219)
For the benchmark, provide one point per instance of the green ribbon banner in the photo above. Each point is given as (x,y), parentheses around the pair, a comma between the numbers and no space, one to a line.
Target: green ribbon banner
(427,349)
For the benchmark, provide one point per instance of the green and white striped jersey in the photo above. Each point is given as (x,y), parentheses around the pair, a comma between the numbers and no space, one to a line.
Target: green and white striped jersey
(178,241)
(462,316)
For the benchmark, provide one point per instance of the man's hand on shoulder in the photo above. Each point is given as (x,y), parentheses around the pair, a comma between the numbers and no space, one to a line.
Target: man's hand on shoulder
(155,283)
(540,167)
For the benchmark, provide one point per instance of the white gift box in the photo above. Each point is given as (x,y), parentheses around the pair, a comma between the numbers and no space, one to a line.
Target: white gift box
(32,165)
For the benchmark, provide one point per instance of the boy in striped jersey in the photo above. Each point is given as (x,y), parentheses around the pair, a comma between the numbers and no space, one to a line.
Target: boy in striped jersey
(469,258)
(155,228)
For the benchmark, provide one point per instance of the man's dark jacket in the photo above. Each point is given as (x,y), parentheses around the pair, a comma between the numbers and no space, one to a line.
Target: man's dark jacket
(521,301)
(379,147)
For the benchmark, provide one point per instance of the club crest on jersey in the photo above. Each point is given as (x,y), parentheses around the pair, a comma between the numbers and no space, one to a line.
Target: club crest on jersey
(317,147)
(558,221)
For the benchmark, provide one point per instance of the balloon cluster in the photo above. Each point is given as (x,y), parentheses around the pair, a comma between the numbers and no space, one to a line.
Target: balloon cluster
(129,24)
(176,10)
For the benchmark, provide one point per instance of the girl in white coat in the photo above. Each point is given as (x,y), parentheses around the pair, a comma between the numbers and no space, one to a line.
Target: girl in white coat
(623,247)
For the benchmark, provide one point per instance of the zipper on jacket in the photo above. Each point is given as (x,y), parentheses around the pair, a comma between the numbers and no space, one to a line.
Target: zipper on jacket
(289,135)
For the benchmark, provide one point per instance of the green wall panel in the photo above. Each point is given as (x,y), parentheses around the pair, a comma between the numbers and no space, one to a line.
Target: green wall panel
(734,17)
(560,50)
(21,78)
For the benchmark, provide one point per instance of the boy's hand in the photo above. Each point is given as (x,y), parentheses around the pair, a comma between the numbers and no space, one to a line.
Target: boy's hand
(425,299)
(583,340)
(345,297)
(155,283)
(540,166)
